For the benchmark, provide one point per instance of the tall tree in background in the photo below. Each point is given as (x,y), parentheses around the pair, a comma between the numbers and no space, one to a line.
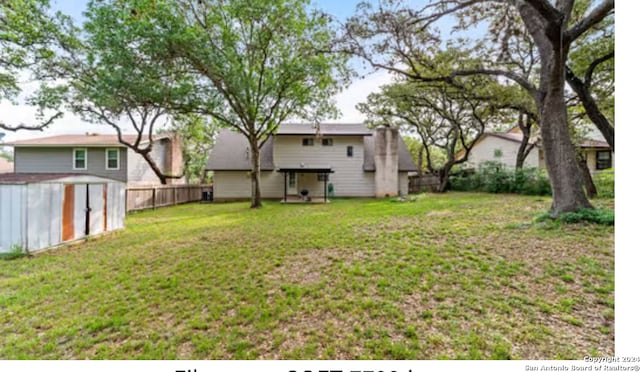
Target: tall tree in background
(31,40)
(114,81)
(449,120)
(404,40)
(197,136)
(257,64)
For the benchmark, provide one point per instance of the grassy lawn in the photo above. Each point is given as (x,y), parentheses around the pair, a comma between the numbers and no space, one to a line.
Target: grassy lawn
(447,276)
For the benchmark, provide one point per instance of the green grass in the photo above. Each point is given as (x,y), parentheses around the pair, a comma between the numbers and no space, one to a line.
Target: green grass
(456,276)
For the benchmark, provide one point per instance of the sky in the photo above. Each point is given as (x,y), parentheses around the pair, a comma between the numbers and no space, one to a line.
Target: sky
(346,100)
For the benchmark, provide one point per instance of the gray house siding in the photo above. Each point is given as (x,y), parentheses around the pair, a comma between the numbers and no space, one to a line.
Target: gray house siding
(60,160)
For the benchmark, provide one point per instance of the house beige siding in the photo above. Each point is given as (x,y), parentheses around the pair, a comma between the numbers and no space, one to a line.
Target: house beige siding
(485,150)
(348,179)
(237,185)
(591,160)
(60,160)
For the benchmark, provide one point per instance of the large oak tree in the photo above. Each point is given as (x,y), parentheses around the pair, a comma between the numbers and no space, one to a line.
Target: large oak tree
(404,40)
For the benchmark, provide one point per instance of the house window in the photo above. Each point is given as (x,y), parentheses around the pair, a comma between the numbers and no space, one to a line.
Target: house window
(292,180)
(603,159)
(323,177)
(307,142)
(350,151)
(80,159)
(112,158)
(327,142)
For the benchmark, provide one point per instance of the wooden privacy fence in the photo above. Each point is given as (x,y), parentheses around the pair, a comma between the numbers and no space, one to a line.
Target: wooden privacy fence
(151,197)
(426,182)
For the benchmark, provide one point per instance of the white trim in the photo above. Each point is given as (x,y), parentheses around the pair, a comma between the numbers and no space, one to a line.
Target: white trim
(106,158)
(73,158)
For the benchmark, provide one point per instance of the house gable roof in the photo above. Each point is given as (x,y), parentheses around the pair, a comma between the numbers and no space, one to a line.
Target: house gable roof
(86,140)
(324,129)
(231,153)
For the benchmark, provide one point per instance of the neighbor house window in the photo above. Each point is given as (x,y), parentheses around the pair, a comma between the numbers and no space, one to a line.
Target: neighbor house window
(112,159)
(327,142)
(307,142)
(350,151)
(80,159)
(603,159)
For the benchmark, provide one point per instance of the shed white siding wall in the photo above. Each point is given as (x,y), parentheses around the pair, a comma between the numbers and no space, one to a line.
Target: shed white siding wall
(12,216)
(31,214)
(44,215)
(485,151)
(348,178)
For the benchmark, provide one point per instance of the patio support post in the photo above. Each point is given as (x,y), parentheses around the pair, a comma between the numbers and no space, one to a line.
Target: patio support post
(326,175)
(285,186)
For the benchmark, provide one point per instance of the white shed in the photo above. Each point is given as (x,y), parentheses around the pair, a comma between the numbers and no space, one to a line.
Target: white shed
(41,210)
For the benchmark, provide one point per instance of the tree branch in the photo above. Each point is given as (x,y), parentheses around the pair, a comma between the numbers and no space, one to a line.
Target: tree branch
(597,15)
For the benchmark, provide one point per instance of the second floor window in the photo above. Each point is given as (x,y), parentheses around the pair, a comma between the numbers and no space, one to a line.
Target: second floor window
(350,151)
(307,142)
(112,158)
(80,159)
(327,142)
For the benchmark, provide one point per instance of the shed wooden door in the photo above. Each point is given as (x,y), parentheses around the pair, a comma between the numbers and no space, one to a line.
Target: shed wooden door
(68,209)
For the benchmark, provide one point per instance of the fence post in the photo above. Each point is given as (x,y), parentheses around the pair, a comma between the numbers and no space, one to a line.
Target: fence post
(175,195)
(153,198)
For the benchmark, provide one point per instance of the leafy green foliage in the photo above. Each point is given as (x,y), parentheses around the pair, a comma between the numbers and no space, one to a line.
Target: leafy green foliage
(597,216)
(14,253)
(32,40)
(495,177)
(605,183)
(197,135)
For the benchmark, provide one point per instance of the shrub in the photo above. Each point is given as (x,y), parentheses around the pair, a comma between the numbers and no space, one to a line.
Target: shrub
(598,216)
(15,252)
(494,177)
(605,183)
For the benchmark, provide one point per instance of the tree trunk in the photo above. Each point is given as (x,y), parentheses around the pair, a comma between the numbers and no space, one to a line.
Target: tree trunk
(420,161)
(443,177)
(521,156)
(559,154)
(154,167)
(256,199)
(592,191)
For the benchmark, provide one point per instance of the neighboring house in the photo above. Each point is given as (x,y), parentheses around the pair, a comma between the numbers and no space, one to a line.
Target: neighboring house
(6,166)
(345,160)
(98,155)
(503,147)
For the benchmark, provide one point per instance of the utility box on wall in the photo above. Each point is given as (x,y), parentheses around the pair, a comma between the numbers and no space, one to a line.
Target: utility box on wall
(41,210)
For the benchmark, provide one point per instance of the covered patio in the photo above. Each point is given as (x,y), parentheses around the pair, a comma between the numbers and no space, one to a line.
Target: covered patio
(293,193)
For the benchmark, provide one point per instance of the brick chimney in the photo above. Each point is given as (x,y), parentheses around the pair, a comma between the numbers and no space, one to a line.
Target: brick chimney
(386,161)
(173,158)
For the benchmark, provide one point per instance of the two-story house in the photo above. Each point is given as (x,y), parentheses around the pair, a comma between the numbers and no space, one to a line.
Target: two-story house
(503,147)
(342,160)
(98,155)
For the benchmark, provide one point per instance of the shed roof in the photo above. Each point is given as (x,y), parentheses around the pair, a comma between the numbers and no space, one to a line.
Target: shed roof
(89,140)
(25,178)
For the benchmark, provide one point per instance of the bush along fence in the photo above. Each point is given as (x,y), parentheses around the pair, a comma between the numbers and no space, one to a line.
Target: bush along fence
(151,197)
(494,177)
